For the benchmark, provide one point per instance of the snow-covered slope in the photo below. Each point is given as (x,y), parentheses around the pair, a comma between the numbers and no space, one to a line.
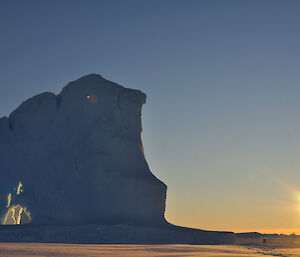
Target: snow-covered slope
(77,158)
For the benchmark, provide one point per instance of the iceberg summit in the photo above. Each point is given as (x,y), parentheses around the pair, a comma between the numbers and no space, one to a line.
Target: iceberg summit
(73,169)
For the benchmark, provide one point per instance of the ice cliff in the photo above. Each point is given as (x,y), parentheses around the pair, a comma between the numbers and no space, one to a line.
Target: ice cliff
(77,158)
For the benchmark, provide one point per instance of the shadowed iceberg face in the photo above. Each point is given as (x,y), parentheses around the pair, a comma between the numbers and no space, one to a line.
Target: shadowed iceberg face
(80,157)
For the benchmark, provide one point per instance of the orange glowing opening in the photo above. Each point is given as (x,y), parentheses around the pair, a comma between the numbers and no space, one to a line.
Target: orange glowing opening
(93,99)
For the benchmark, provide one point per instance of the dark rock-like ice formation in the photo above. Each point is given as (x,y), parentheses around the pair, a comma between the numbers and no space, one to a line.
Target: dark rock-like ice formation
(78,158)
(72,169)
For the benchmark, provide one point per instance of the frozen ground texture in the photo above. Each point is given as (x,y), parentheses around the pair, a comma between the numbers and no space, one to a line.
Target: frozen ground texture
(68,250)
(72,165)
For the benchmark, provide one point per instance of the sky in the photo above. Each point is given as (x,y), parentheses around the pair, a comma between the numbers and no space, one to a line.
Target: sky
(221,125)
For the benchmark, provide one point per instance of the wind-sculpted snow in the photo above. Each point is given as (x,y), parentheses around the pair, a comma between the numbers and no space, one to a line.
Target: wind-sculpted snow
(77,158)
(68,250)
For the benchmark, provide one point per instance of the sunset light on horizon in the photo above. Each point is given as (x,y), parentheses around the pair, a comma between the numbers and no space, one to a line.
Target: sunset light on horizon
(134,121)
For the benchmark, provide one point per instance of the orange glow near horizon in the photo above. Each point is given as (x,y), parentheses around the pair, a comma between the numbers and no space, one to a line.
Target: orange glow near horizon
(287,231)
(265,218)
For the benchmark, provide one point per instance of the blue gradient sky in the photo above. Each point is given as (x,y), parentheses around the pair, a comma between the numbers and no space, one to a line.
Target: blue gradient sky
(221,123)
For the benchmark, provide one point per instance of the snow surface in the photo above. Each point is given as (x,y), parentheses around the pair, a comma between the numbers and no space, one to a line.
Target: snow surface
(67,250)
